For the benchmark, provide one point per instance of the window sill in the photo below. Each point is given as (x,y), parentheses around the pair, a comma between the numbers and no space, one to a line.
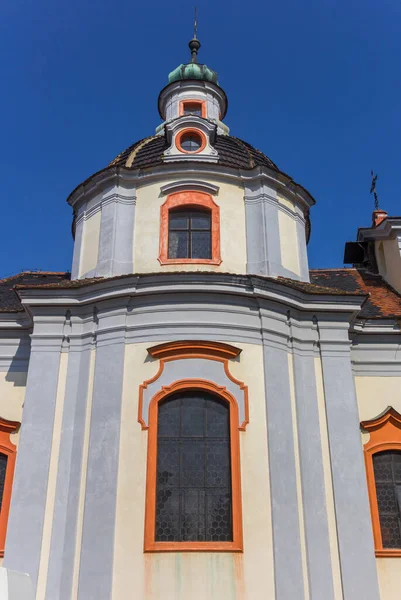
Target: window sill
(388,552)
(193,547)
(189,261)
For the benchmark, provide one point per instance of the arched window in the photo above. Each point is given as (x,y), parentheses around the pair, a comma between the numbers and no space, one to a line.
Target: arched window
(383,469)
(189,229)
(387,470)
(193,498)
(190,233)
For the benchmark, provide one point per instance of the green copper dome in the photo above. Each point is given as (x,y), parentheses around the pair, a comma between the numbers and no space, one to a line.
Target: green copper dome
(193,71)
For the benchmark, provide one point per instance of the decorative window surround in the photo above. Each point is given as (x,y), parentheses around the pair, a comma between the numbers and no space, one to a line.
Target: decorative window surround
(199,357)
(187,123)
(385,434)
(209,358)
(190,184)
(191,200)
(8,449)
(200,103)
(149,544)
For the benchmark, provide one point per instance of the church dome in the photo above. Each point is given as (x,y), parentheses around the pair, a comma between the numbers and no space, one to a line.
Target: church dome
(232,152)
(193,71)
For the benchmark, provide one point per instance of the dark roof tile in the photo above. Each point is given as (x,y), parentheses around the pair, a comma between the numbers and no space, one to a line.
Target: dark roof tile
(383,301)
(9,301)
(233,152)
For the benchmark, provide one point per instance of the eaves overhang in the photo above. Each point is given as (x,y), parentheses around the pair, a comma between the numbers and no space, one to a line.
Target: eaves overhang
(388,228)
(294,295)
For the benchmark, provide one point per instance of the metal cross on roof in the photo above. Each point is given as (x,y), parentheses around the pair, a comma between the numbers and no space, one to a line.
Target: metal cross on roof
(373,190)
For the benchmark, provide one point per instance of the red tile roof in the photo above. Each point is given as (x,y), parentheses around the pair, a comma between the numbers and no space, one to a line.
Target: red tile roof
(383,301)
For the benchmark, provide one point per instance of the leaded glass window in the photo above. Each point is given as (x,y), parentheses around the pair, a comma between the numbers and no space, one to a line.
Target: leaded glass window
(3,469)
(190,234)
(387,469)
(193,484)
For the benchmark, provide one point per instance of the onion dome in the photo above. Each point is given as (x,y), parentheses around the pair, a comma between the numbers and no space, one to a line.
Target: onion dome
(193,70)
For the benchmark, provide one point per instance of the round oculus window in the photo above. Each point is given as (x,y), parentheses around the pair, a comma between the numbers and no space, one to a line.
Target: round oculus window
(191,141)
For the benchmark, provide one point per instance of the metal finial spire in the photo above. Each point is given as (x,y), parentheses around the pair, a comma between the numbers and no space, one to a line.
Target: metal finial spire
(195,22)
(194,44)
(373,190)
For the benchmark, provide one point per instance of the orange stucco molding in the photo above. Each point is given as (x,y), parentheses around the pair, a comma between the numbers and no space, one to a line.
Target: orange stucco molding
(8,449)
(186,349)
(150,545)
(385,434)
(200,103)
(191,199)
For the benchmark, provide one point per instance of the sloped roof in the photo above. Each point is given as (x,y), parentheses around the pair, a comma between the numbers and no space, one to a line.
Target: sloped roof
(383,301)
(9,301)
(233,152)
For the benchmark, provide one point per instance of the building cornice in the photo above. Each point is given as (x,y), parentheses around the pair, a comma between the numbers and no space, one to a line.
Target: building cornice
(283,183)
(388,228)
(282,291)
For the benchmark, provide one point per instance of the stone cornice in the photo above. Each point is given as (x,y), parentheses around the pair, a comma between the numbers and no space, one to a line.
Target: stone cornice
(388,228)
(135,178)
(189,184)
(278,291)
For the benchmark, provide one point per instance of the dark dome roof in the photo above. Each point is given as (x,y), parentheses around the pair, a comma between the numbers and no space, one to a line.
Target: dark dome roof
(233,152)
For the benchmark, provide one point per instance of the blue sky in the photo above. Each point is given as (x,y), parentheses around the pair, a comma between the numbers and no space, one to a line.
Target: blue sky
(314,84)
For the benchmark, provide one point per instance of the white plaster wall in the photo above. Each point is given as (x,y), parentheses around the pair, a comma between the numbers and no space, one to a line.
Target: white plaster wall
(392,259)
(198,576)
(232,230)
(90,243)
(374,395)
(289,242)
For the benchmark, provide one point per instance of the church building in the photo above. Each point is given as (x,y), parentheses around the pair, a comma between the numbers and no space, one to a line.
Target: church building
(192,413)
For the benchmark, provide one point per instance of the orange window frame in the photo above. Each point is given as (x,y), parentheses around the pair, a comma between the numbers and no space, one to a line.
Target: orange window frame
(385,434)
(150,545)
(183,132)
(201,103)
(190,199)
(10,450)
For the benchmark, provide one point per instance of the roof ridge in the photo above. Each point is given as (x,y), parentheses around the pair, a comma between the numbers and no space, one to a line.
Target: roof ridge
(138,147)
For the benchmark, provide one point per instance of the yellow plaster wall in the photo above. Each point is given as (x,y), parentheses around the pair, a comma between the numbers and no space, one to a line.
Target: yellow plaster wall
(286,202)
(198,576)
(232,230)
(12,393)
(90,243)
(288,242)
(374,394)
(390,251)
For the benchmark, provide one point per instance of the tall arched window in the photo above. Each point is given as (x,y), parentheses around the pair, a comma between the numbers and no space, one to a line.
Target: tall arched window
(383,470)
(387,469)
(193,498)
